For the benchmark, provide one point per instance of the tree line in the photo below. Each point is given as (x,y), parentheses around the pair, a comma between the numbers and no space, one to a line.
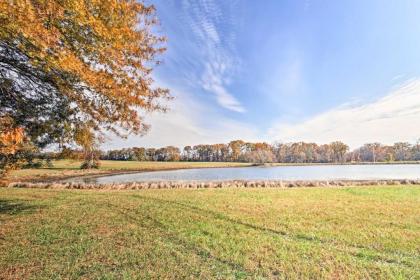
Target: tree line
(261,152)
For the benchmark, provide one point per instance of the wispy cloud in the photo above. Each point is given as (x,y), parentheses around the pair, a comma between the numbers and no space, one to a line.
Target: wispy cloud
(214,36)
(189,122)
(201,59)
(394,117)
(397,77)
(213,81)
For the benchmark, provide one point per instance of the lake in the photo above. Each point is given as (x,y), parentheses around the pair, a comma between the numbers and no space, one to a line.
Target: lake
(309,172)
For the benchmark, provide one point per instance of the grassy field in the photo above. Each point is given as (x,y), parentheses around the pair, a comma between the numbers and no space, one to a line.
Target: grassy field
(302,233)
(69,168)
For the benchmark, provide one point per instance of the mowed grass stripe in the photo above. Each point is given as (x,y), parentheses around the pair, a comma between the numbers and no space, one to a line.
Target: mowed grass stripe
(219,233)
(213,215)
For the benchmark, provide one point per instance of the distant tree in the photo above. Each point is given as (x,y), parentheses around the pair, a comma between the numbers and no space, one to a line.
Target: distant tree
(68,153)
(309,149)
(372,152)
(172,153)
(259,152)
(279,150)
(326,153)
(169,153)
(151,154)
(339,150)
(139,154)
(235,149)
(187,153)
(402,151)
(86,139)
(259,156)
(416,150)
(221,152)
(297,153)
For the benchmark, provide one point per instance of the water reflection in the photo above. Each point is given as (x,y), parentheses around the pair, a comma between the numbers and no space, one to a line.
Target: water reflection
(315,172)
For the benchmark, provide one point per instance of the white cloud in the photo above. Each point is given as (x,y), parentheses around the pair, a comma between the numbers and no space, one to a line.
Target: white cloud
(217,56)
(224,98)
(207,61)
(212,81)
(394,117)
(397,77)
(188,122)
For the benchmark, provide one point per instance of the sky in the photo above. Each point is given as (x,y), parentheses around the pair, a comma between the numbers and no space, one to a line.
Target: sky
(285,71)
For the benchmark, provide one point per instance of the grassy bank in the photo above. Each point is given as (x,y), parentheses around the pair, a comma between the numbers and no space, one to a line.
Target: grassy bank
(69,168)
(347,233)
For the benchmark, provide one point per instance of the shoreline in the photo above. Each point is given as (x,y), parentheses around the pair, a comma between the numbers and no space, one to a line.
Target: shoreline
(213,184)
(94,173)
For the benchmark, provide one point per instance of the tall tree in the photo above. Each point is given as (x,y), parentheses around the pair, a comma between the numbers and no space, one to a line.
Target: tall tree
(235,149)
(67,63)
(187,153)
(85,138)
(402,150)
(416,150)
(339,150)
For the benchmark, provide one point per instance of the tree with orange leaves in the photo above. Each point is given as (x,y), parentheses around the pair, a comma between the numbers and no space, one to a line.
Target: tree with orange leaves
(13,145)
(68,65)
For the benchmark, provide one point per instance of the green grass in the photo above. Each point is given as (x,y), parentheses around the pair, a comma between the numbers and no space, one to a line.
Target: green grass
(68,168)
(305,233)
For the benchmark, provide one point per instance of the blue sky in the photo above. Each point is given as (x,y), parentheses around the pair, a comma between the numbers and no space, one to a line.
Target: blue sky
(287,71)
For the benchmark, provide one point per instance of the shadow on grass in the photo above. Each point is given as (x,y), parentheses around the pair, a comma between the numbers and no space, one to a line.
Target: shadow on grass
(14,207)
(223,217)
(294,236)
(149,221)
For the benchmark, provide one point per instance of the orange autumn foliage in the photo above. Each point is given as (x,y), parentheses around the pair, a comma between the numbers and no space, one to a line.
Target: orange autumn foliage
(98,54)
(14,146)
(11,141)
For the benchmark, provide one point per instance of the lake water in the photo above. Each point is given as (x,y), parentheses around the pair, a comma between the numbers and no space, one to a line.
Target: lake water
(313,172)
